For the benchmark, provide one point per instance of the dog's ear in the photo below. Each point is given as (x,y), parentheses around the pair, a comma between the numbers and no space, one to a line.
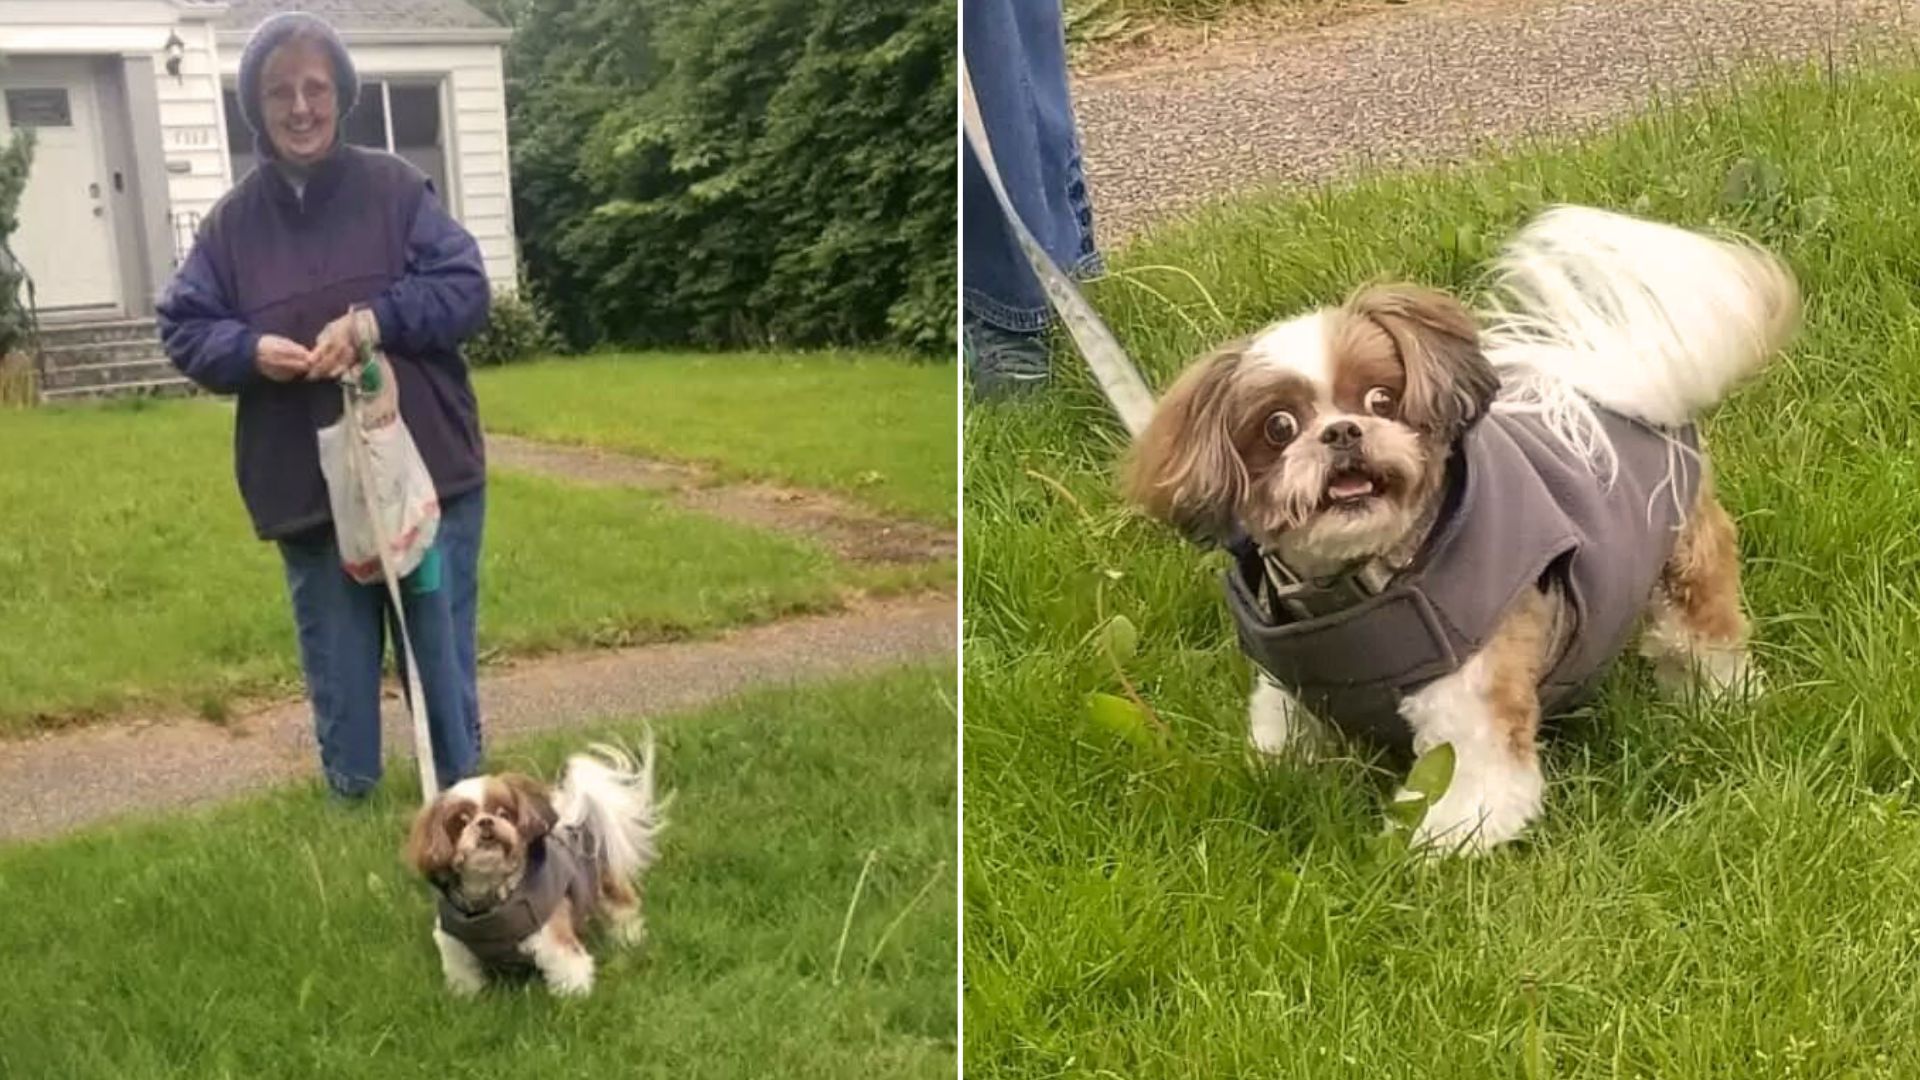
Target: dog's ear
(1450,384)
(429,846)
(533,811)
(1185,469)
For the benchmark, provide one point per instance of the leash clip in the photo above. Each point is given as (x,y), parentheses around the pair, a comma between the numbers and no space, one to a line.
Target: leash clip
(1303,599)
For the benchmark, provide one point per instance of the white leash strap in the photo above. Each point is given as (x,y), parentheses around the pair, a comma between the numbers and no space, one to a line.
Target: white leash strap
(1119,380)
(416,696)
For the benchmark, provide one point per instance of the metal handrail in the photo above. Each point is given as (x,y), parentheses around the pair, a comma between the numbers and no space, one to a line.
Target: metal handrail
(184,223)
(13,263)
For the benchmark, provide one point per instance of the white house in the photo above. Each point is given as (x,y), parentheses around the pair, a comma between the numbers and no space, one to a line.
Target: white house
(138,132)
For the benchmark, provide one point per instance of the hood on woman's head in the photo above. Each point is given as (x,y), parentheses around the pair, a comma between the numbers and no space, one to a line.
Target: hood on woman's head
(274,32)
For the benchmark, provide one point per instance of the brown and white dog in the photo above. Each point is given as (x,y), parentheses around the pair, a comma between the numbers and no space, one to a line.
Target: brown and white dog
(521,870)
(1330,441)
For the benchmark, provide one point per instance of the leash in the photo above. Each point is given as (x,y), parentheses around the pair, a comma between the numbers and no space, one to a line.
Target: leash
(353,390)
(1120,381)
(1119,378)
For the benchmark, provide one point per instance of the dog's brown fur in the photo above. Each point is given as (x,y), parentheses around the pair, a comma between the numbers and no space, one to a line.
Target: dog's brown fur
(1448,381)
(1517,657)
(1702,577)
(1696,614)
(566,925)
(1184,469)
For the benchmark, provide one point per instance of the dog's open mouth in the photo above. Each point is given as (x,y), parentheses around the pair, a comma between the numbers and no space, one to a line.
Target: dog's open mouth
(1353,487)
(493,844)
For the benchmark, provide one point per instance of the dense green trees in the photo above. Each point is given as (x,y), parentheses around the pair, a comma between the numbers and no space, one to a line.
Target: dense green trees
(737,172)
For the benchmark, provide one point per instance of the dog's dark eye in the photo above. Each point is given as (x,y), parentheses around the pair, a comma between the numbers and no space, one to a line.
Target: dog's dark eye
(1380,401)
(1281,427)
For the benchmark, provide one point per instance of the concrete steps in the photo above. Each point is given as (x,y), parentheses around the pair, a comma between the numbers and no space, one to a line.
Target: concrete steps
(106,359)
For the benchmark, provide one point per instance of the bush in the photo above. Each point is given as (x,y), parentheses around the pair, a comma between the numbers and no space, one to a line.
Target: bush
(770,173)
(19,383)
(518,328)
(15,159)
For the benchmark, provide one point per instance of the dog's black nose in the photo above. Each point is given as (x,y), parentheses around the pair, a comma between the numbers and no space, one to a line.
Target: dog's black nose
(485,825)
(1341,434)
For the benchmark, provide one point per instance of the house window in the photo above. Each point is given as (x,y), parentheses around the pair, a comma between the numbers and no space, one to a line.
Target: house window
(401,118)
(416,130)
(39,108)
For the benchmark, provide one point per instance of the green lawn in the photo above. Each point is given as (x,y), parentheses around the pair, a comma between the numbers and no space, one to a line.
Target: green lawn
(878,428)
(282,938)
(1715,892)
(129,573)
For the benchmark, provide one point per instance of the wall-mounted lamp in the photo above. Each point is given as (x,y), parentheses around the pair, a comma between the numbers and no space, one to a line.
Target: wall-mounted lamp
(176,52)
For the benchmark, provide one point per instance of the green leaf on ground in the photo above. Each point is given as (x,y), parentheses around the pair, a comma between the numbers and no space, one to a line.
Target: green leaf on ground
(1120,639)
(1118,716)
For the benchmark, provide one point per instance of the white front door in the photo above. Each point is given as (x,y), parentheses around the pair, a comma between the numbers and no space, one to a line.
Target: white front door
(65,239)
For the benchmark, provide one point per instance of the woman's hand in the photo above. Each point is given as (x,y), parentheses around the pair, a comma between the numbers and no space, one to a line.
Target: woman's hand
(282,360)
(338,348)
(334,352)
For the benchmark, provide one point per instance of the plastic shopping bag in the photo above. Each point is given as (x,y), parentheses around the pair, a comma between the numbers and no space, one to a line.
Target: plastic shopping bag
(378,486)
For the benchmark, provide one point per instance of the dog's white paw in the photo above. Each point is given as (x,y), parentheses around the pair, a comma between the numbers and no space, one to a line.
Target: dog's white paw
(465,977)
(464,984)
(629,929)
(1685,664)
(1730,675)
(1717,675)
(569,975)
(1482,809)
(1278,725)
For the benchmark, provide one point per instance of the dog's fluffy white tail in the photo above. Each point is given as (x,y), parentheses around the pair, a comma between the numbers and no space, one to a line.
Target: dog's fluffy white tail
(1648,320)
(611,792)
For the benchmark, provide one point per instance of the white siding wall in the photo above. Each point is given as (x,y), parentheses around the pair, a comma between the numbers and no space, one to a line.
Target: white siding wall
(193,130)
(474,114)
(85,26)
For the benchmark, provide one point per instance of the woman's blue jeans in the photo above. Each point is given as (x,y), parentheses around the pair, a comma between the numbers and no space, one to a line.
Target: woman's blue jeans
(343,628)
(1017,59)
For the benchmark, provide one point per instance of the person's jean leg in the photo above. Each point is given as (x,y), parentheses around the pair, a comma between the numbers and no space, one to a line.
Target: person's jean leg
(430,629)
(462,525)
(338,622)
(1016,58)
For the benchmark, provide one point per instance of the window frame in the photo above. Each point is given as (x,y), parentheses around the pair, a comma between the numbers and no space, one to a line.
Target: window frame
(442,85)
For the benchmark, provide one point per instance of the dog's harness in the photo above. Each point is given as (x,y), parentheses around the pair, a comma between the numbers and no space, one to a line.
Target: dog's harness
(565,863)
(1522,511)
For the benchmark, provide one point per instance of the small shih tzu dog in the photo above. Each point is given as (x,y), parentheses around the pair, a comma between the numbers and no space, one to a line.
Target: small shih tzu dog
(521,870)
(1443,525)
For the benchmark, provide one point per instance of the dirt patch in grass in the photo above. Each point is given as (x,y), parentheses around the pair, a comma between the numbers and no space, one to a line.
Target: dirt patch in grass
(849,531)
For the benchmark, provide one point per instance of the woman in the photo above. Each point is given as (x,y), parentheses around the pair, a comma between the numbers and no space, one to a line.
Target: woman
(260,311)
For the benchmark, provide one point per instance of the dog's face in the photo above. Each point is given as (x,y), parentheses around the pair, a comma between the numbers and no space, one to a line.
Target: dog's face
(1324,436)
(472,841)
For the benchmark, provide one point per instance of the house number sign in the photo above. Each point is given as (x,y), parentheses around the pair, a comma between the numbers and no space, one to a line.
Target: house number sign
(192,138)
